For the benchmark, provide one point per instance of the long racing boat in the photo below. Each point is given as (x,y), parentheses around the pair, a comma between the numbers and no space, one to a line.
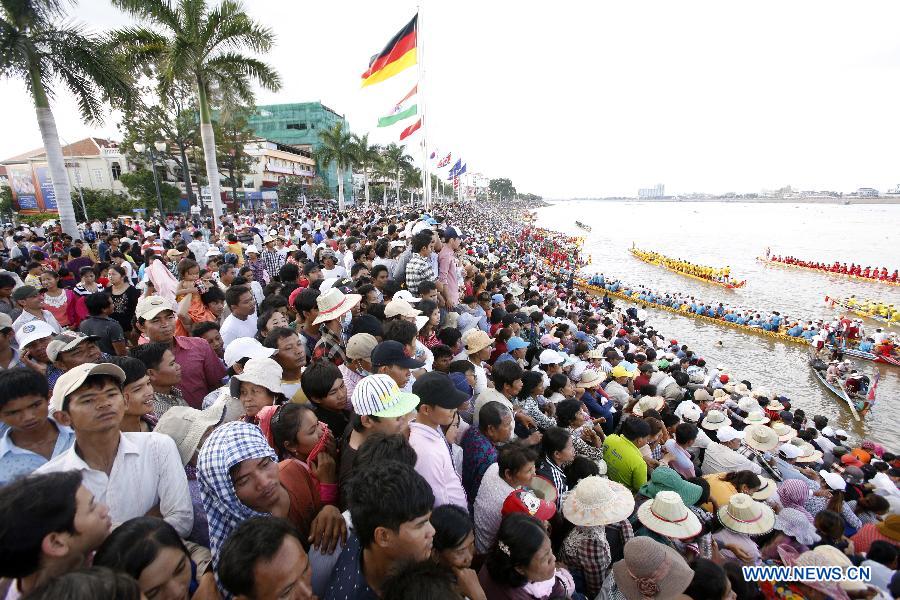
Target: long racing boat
(659,260)
(863,355)
(777,263)
(818,368)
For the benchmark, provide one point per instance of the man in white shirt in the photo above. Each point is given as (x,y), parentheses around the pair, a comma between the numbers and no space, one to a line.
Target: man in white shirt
(134,474)
(242,320)
(199,248)
(330,267)
(720,457)
(29,299)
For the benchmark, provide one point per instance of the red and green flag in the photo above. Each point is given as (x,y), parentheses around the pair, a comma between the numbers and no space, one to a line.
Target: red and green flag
(399,54)
(404,109)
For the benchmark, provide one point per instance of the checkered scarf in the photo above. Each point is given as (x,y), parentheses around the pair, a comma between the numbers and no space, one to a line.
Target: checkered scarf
(227,446)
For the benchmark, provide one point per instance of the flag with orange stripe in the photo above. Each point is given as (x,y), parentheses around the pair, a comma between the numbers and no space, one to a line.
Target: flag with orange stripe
(398,55)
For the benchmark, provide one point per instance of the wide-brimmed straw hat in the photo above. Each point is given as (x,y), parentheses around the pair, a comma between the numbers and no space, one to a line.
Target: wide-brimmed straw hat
(667,515)
(761,437)
(648,403)
(650,569)
(598,501)
(715,419)
(756,417)
(334,303)
(477,340)
(719,394)
(785,432)
(743,514)
(748,404)
(767,488)
(791,558)
(775,405)
(808,452)
(589,379)
(742,389)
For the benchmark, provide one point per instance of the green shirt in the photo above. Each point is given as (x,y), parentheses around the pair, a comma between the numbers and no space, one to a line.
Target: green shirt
(624,462)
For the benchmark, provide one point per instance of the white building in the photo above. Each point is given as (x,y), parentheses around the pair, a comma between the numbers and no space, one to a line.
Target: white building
(655,192)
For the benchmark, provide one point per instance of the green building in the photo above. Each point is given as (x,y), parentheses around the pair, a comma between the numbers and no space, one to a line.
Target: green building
(300,124)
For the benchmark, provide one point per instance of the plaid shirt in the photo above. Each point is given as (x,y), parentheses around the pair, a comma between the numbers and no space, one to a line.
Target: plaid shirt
(418,270)
(588,548)
(329,347)
(163,402)
(272,262)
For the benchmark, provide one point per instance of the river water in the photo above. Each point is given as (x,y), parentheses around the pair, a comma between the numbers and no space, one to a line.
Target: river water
(734,234)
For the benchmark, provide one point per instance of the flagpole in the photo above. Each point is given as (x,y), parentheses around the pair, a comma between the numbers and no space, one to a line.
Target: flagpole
(420,49)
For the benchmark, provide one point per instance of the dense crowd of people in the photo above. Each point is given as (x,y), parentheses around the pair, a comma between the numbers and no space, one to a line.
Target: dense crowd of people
(359,405)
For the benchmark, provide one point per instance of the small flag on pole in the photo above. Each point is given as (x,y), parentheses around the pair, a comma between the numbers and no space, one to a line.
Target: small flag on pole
(444,162)
(454,169)
(462,170)
(410,130)
(402,110)
(399,54)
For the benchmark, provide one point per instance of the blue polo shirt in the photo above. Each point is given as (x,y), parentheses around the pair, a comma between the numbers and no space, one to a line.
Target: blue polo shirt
(17,462)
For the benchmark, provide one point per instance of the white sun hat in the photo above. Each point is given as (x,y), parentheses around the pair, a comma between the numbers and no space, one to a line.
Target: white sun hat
(598,501)
(667,515)
(263,372)
(715,419)
(334,303)
(761,437)
(745,515)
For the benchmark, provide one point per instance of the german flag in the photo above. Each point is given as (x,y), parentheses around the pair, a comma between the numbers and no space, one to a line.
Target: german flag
(399,54)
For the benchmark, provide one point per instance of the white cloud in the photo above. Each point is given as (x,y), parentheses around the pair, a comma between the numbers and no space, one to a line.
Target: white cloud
(594,99)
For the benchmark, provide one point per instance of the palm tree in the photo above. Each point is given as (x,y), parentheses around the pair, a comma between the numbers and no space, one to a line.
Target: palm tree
(366,157)
(40,49)
(338,148)
(384,172)
(187,40)
(395,156)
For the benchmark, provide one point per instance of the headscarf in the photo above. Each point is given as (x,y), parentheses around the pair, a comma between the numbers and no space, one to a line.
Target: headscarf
(793,493)
(228,445)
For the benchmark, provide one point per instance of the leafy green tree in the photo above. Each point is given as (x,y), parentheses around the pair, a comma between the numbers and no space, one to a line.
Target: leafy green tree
(43,48)
(6,201)
(172,119)
(234,133)
(187,39)
(395,156)
(105,203)
(290,190)
(367,156)
(142,189)
(319,189)
(501,188)
(337,148)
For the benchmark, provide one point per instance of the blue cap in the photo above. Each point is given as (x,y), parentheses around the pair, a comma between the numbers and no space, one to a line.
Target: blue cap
(581,336)
(515,343)
(497,298)
(431,221)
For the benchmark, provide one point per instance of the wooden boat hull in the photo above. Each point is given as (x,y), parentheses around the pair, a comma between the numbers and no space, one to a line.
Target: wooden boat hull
(775,335)
(721,284)
(836,390)
(877,358)
(773,263)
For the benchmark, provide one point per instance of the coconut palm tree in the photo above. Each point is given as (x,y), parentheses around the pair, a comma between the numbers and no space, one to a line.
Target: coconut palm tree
(337,147)
(366,156)
(43,50)
(384,172)
(395,155)
(185,39)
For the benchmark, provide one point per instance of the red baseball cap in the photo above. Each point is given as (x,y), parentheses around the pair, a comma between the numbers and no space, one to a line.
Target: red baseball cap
(623,332)
(523,500)
(851,461)
(723,378)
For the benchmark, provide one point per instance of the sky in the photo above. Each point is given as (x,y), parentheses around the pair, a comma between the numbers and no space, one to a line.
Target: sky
(593,99)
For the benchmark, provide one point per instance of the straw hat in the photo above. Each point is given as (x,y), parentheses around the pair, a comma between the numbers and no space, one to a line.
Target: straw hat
(785,432)
(543,488)
(761,393)
(741,389)
(263,372)
(667,515)
(795,524)
(826,556)
(715,419)
(775,405)
(890,527)
(760,437)
(748,404)
(766,490)
(589,379)
(743,514)
(808,453)
(648,403)
(719,394)
(477,340)
(812,558)
(598,501)
(650,569)
(729,388)
(757,417)
(334,303)
(595,353)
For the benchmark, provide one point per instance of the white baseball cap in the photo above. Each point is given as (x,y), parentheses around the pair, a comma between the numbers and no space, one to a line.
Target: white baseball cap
(406,295)
(728,433)
(150,306)
(73,379)
(246,347)
(834,481)
(33,331)
(551,357)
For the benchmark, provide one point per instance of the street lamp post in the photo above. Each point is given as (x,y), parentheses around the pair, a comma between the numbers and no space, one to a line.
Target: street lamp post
(160,148)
